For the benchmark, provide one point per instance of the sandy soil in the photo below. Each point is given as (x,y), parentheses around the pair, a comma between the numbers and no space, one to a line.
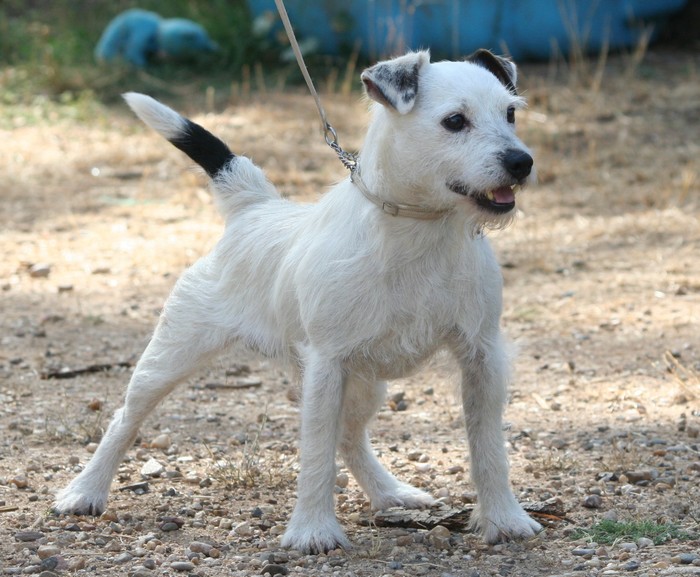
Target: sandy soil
(602,297)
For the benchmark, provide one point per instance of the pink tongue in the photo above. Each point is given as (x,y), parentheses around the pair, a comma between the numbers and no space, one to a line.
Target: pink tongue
(503,195)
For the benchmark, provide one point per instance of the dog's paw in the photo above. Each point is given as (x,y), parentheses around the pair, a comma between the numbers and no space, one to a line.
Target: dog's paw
(505,523)
(403,495)
(314,538)
(74,501)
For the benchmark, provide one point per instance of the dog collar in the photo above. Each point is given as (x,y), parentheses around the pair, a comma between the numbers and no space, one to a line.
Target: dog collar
(393,208)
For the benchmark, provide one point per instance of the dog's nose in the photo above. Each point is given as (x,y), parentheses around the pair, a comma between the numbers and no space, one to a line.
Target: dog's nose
(517,163)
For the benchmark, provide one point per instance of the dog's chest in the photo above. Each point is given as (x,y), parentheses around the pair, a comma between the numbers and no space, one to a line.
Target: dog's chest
(416,309)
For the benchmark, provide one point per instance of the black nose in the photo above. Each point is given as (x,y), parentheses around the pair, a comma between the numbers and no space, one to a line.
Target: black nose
(517,163)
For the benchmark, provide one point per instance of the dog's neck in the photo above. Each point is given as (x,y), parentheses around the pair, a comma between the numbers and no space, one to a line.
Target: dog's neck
(395,208)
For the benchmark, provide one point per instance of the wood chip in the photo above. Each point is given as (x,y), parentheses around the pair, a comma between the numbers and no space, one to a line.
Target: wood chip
(453,519)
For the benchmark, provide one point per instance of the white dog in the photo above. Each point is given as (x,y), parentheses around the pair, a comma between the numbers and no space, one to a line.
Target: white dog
(361,287)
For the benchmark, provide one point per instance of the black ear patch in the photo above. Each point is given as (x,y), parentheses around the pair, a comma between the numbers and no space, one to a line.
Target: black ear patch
(501,68)
(394,82)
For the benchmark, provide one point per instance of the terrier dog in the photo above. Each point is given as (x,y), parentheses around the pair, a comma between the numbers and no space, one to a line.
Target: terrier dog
(363,286)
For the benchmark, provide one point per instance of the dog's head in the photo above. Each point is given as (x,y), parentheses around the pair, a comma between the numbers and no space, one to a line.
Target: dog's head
(444,135)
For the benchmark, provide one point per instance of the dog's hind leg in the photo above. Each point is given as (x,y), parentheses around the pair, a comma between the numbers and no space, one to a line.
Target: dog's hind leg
(361,402)
(182,341)
(313,526)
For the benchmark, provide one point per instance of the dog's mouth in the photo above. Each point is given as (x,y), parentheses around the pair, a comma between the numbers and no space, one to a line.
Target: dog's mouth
(498,200)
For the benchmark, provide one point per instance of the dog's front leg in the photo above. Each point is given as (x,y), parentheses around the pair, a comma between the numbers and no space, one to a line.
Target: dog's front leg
(313,527)
(498,516)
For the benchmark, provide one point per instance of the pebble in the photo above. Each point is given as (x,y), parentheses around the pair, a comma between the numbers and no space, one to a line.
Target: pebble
(631,565)
(95,404)
(274,569)
(439,537)
(162,441)
(182,566)
(644,542)
(628,547)
(123,558)
(200,547)
(169,526)
(45,551)
(342,480)
(593,502)
(685,558)
(26,536)
(50,563)
(243,529)
(152,468)
(583,552)
(640,475)
(40,270)
(20,481)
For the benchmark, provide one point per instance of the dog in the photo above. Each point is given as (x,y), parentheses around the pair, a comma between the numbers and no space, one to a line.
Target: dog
(363,286)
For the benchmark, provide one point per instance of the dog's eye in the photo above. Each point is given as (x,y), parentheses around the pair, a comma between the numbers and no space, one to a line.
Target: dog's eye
(510,116)
(455,122)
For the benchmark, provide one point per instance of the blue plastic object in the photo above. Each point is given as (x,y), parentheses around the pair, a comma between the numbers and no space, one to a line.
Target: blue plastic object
(525,29)
(137,35)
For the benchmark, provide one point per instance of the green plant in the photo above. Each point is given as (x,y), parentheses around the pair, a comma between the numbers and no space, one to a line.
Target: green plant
(608,532)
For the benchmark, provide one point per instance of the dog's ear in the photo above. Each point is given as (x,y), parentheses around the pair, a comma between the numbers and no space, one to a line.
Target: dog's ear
(502,68)
(394,82)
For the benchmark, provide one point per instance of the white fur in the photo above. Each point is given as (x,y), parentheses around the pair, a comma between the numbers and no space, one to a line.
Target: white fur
(351,296)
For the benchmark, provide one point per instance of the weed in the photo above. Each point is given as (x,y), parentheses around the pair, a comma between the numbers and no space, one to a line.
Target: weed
(251,467)
(688,380)
(608,532)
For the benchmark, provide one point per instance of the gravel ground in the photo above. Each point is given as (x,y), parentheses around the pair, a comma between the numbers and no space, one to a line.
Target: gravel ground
(602,299)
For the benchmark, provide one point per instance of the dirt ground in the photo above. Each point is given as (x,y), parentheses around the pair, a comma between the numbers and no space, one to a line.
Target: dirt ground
(602,297)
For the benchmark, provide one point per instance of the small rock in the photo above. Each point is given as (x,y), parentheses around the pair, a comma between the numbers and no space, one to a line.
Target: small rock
(169,526)
(274,569)
(342,480)
(439,537)
(77,563)
(644,542)
(640,475)
(593,502)
(243,529)
(27,536)
(50,563)
(140,571)
(200,547)
(687,558)
(95,404)
(122,558)
(583,552)
(162,441)
(404,540)
(631,565)
(45,551)
(628,547)
(19,481)
(182,566)
(40,270)
(152,468)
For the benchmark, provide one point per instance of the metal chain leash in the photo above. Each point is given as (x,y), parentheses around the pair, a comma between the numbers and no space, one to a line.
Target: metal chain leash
(348,159)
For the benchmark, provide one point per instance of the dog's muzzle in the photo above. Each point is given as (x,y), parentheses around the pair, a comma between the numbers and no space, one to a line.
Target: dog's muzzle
(499,200)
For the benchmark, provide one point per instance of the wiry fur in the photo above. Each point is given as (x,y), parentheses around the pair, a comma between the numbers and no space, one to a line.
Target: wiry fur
(350,295)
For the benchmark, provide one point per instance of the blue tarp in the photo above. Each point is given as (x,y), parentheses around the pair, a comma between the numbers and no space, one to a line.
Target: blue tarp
(525,29)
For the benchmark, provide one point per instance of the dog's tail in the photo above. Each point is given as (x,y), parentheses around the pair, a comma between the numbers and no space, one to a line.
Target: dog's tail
(196,142)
